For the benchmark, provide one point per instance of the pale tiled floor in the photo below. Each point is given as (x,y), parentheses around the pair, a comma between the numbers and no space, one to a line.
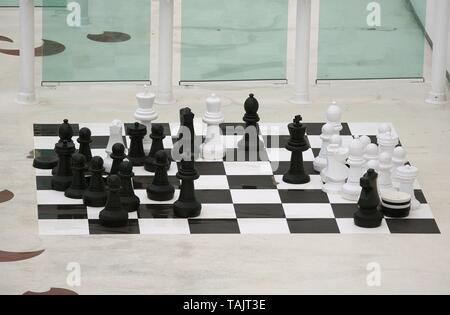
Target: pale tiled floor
(270,264)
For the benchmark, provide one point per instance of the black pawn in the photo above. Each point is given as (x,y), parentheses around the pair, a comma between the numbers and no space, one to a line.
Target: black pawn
(369,215)
(62,178)
(95,194)
(65,133)
(187,205)
(78,186)
(157,137)
(113,215)
(160,189)
(85,140)
(136,154)
(251,141)
(130,202)
(297,145)
(117,155)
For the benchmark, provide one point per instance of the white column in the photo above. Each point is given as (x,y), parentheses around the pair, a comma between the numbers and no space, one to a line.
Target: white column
(84,6)
(165,59)
(438,94)
(26,93)
(302,48)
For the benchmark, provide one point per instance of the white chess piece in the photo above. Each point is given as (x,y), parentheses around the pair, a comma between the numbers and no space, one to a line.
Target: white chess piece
(384,174)
(334,118)
(387,140)
(320,162)
(398,159)
(384,128)
(365,141)
(336,173)
(214,147)
(145,114)
(370,154)
(407,175)
(352,188)
(372,164)
(115,136)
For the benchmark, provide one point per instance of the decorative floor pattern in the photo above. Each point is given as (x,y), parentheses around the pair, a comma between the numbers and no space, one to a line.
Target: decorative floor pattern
(109,37)
(48,48)
(6,195)
(18,256)
(53,291)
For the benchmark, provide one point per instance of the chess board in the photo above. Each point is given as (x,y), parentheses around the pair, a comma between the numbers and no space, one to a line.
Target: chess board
(238,197)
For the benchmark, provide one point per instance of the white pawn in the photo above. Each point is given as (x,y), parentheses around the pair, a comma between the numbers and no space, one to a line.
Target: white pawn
(398,159)
(334,118)
(385,175)
(352,189)
(145,114)
(336,173)
(115,136)
(370,154)
(372,164)
(407,175)
(320,162)
(365,141)
(214,147)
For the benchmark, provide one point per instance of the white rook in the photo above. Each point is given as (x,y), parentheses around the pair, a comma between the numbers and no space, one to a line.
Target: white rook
(406,175)
(302,48)
(213,148)
(164,95)
(27,94)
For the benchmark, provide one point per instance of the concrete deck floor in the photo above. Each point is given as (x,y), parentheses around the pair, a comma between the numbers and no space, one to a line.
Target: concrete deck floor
(223,264)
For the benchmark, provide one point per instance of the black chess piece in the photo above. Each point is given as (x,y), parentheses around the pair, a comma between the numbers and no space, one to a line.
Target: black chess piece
(65,133)
(136,153)
(130,202)
(114,215)
(187,205)
(85,140)
(369,215)
(251,141)
(78,186)
(160,189)
(95,194)
(157,136)
(187,147)
(62,179)
(117,155)
(298,143)
(47,162)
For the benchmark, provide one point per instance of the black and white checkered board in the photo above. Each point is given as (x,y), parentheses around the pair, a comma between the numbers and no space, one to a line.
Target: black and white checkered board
(237,197)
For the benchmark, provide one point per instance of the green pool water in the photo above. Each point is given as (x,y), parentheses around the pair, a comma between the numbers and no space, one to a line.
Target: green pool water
(235,40)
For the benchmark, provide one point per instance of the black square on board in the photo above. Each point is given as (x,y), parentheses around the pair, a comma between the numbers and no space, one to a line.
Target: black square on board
(51,130)
(131,228)
(251,182)
(63,212)
(413,226)
(345,210)
(313,226)
(213,226)
(250,211)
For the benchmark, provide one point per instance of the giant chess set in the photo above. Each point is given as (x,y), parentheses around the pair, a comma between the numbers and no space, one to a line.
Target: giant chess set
(200,176)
